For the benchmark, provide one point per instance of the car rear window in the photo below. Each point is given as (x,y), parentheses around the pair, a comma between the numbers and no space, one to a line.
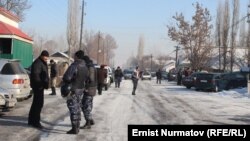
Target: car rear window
(205,76)
(13,68)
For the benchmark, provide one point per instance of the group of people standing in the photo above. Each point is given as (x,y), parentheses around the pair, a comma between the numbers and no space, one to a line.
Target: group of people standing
(81,76)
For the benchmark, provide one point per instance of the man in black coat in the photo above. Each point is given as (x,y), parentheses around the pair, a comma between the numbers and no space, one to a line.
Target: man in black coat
(118,77)
(39,81)
(53,74)
(158,76)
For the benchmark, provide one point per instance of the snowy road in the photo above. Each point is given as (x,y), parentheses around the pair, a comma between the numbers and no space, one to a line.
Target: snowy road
(116,108)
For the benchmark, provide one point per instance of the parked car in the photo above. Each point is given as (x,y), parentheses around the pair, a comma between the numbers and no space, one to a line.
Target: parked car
(232,80)
(127,74)
(207,81)
(146,75)
(7,100)
(164,75)
(14,78)
(172,76)
(190,80)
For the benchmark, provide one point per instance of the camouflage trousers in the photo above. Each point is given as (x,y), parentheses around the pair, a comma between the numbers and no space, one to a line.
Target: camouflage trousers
(87,106)
(74,105)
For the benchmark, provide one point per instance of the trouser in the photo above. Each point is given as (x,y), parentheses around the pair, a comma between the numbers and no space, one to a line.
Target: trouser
(117,82)
(158,81)
(87,106)
(53,85)
(99,87)
(74,106)
(36,107)
(135,83)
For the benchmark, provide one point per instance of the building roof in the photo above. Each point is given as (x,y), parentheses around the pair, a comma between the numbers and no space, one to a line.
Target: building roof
(8,14)
(62,54)
(6,29)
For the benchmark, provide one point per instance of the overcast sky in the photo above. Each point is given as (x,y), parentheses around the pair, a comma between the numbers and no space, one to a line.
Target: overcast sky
(125,20)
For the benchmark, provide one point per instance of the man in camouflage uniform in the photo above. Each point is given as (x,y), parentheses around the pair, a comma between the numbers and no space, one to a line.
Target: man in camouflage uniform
(76,75)
(89,93)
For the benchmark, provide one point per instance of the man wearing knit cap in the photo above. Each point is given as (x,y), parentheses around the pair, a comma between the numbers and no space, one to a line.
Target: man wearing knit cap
(38,82)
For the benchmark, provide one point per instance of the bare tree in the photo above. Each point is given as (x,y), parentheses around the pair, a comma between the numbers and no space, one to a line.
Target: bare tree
(218,31)
(225,33)
(16,6)
(73,26)
(234,31)
(140,52)
(51,46)
(242,34)
(109,46)
(195,37)
(162,59)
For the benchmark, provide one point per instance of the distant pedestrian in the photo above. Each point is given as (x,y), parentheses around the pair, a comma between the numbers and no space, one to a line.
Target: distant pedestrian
(76,75)
(89,93)
(101,76)
(53,74)
(39,81)
(179,77)
(135,79)
(158,76)
(118,77)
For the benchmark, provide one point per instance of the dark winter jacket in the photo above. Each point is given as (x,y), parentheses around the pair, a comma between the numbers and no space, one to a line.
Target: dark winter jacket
(158,74)
(39,78)
(118,73)
(91,82)
(53,70)
(76,74)
(101,75)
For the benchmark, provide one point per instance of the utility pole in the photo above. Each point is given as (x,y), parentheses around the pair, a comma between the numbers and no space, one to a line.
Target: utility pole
(103,49)
(99,36)
(80,46)
(176,56)
(248,39)
(151,57)
(248,45)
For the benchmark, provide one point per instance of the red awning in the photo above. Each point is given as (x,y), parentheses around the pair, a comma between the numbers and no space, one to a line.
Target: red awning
(6,29)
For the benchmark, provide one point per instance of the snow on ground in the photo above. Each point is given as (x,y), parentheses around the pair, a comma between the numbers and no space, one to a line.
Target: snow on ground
(116,108)
(155,104)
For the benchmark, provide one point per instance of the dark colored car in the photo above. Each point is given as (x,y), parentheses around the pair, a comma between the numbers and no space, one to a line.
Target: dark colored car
(164,75)
(127,74)
(232,80)
(207,81)
(190,80)
(172,76)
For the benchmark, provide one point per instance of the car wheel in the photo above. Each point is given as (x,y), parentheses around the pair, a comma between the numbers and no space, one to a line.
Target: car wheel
(188,87)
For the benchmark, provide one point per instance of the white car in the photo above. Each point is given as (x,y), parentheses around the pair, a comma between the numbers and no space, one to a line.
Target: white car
(7,100)
(146,76)
(14,78)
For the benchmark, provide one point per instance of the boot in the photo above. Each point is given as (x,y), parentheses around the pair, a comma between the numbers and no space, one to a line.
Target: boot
(133,92)
(92,122)
(53,89)
(87,125)
(75,128)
